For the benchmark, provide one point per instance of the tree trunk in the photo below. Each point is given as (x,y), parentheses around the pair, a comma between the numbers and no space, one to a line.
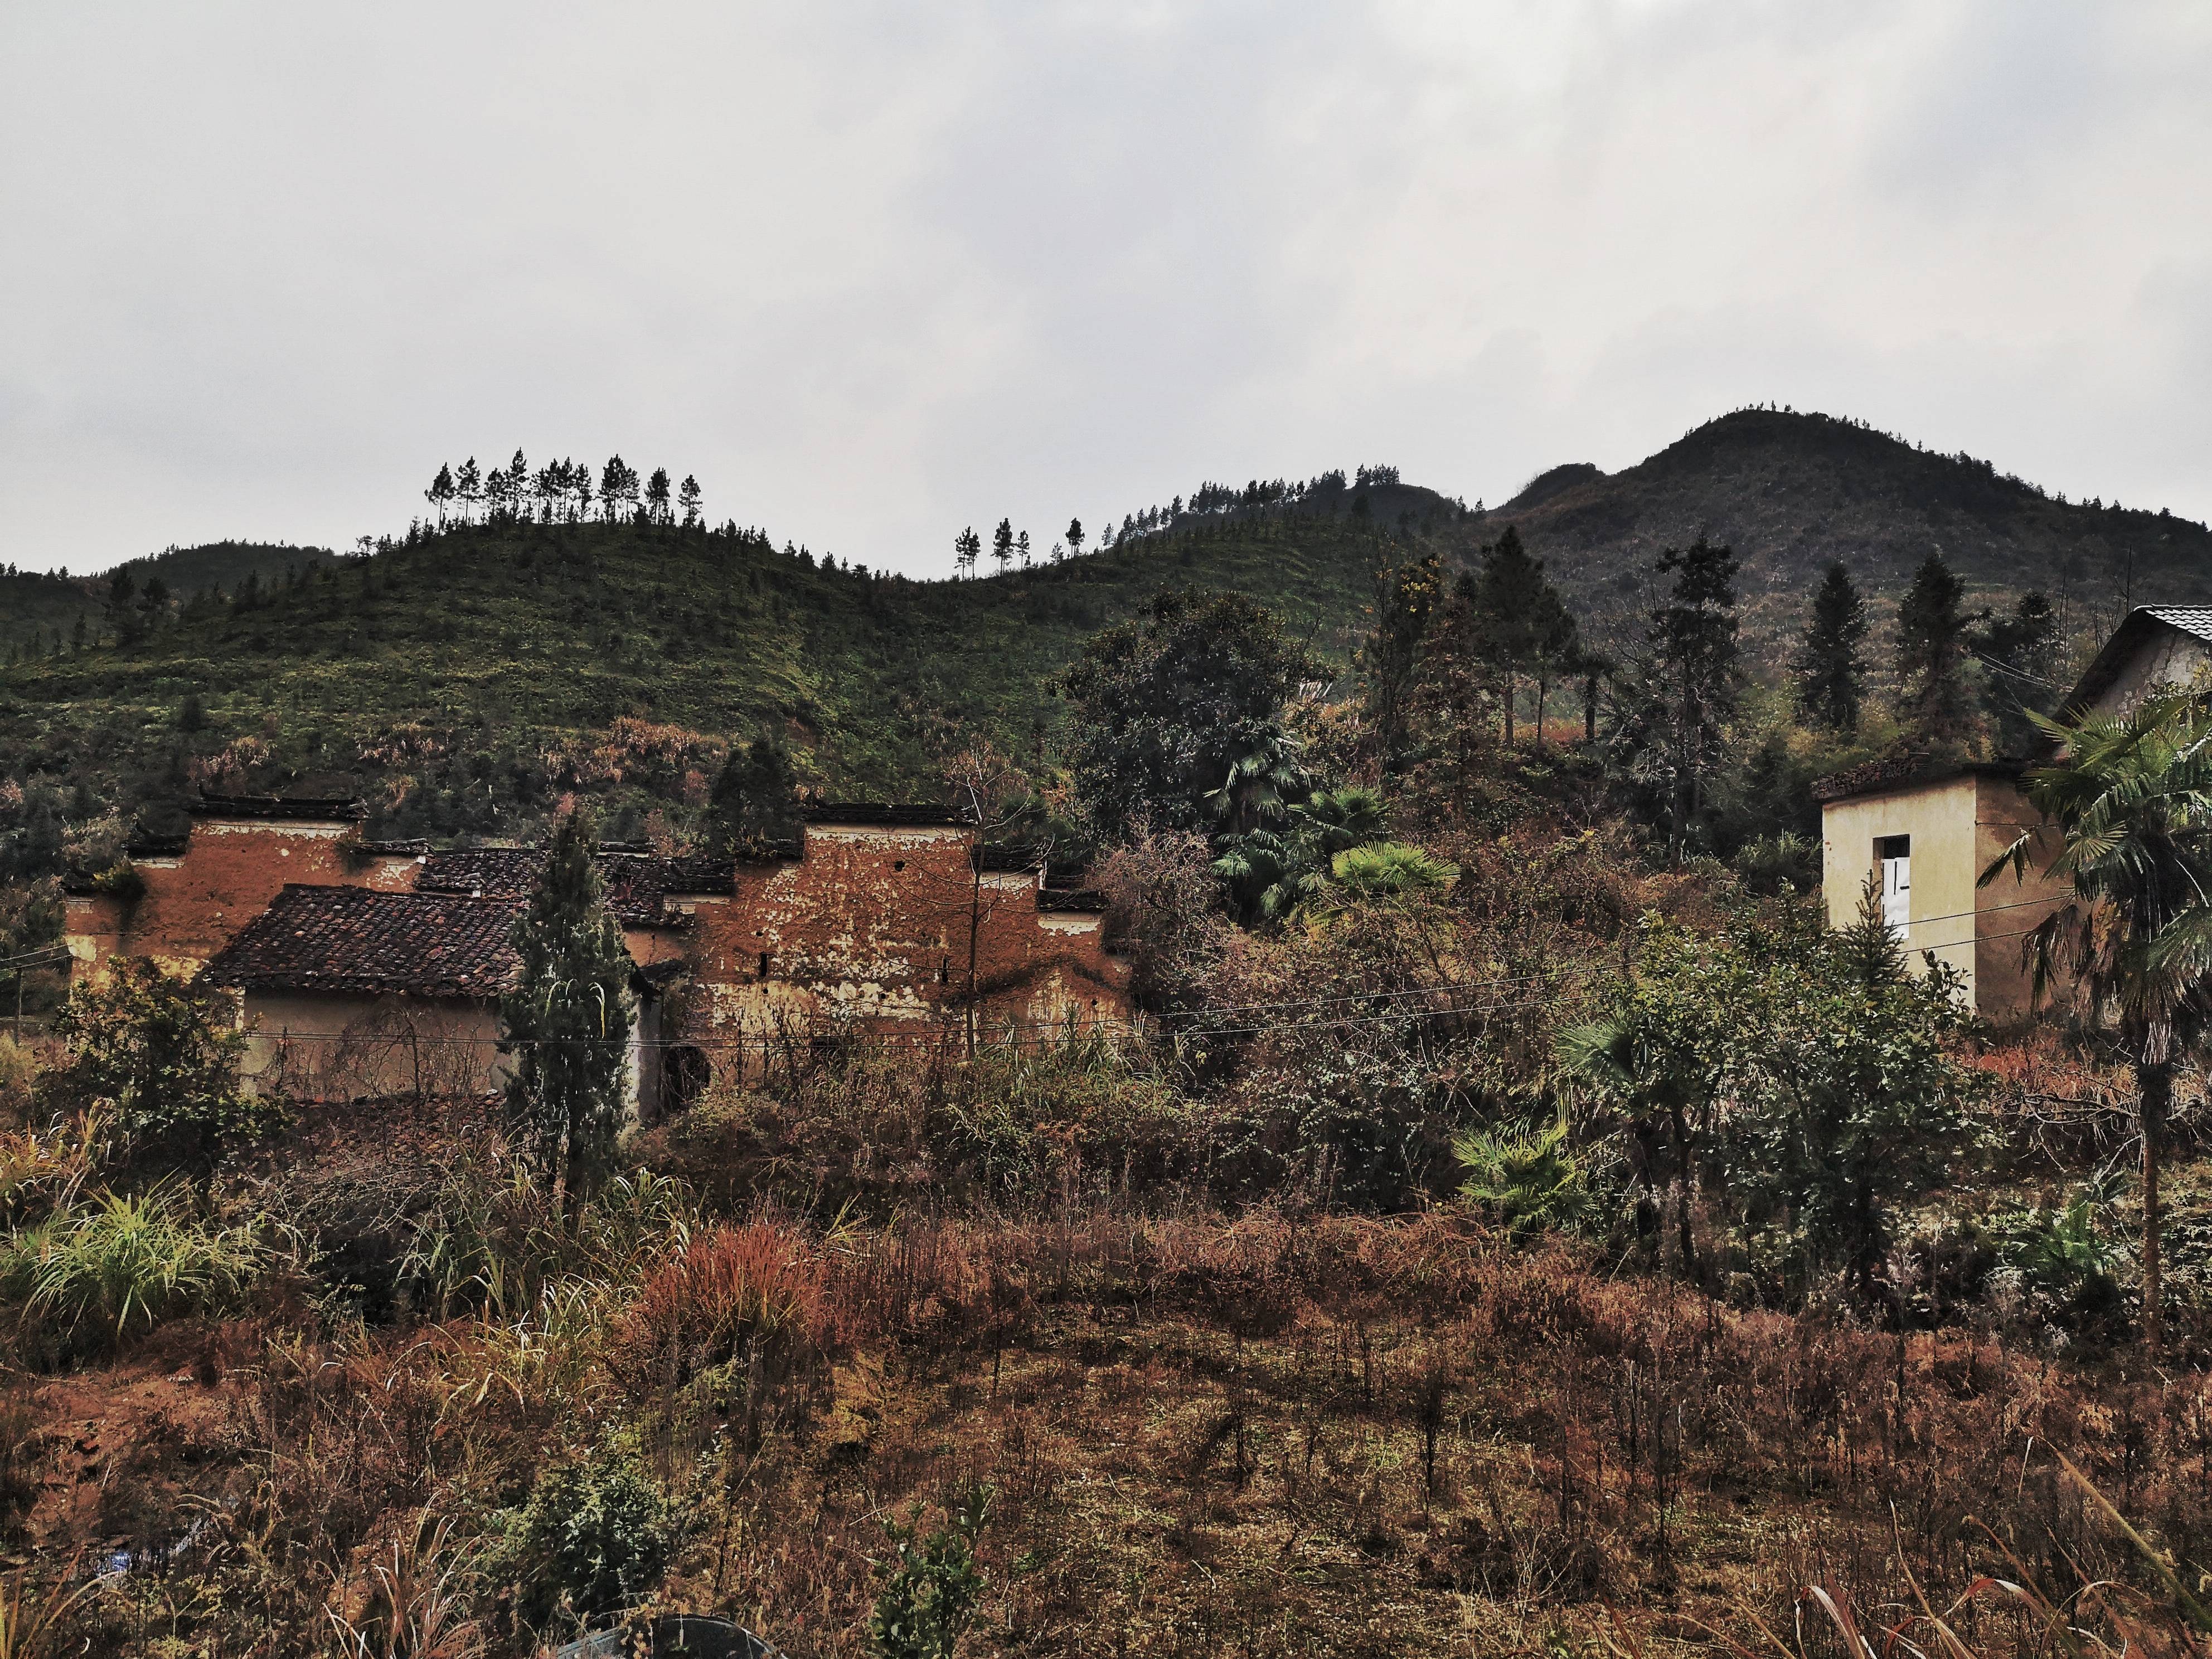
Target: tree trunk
(1508,709)
(1682,1167)
(2154,1082)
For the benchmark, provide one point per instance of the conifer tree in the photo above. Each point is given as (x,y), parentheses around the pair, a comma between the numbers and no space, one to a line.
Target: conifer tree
(1022,549)
(656,497)
(617,488)
(468,488)
(755,799)
(1002,544)
(965,547)
(1931,653)
(565,1021)
(1696,671)
(1830,673)
(440,495)
(1518,621)
(1075,539)
(688,498)
(2019,653)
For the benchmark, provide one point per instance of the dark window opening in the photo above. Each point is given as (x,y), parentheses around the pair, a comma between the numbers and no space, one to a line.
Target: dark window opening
(945,971)
(686,1073)
(1892,847)
(898,864)
(763,964)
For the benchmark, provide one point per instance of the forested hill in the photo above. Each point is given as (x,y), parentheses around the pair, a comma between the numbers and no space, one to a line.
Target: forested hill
(465,680)
(36,607)
(1791,492)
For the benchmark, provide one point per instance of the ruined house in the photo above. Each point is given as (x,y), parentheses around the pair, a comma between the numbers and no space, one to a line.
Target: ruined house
(367,967)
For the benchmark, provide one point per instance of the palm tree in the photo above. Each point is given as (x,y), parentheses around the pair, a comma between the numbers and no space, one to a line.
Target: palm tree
(1262,785)
(1649,1067)
(2131,804)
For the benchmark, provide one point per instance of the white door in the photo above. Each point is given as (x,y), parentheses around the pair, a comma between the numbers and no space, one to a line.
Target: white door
(1896,855)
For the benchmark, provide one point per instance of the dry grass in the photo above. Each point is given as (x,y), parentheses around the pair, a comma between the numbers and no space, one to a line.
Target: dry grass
(1273,1435)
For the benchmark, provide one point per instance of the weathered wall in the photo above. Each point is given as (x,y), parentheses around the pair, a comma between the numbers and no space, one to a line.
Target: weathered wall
(196,901)
(2007,909)
(1941,819)
(886,927)
(1959,826)
(343,1047)
(2172,658)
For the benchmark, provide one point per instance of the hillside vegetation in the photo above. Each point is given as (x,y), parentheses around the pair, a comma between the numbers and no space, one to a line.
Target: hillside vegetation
(37,607)
(467,677)
(1790,492)
(481,670)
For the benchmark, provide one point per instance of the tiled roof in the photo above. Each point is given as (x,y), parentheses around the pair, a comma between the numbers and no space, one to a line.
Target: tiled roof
(878,811)
(635,882)
(1888,772)
(355,941)
(2189,618)
(413,846)
(325,810)
(2137,629)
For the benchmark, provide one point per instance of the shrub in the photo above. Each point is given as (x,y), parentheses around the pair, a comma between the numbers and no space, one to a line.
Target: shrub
(167,1053)
(19,1078)
(594,1539)
(1526,1178)
(753,1293)
(2066,1255)
(96,1269)
(931,1584)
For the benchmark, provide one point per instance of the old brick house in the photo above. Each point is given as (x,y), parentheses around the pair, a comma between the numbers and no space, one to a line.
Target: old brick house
(367,966)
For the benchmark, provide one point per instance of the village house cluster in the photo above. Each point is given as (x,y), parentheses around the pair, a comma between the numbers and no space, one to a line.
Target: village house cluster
(367,966)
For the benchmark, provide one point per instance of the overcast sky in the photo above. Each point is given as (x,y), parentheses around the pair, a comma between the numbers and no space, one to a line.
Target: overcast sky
(877,272)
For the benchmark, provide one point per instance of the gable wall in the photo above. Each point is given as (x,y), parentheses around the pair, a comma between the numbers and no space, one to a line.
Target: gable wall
(872,927)
(2170,657)
(1940,818)
(196,901)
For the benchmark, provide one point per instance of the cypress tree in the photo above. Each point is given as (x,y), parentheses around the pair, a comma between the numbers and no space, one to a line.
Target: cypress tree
(1831,672)
(1931,653)
(1697,669)
(566,1022)
(1516,613)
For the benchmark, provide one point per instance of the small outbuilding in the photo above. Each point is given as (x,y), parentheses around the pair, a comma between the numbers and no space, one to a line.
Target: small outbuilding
(1923,832)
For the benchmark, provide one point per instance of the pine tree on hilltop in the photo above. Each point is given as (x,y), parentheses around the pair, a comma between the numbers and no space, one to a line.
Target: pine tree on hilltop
(566,1022)
(1075,539)
(1831,671)
(440,495)
(656,497)
(1002,542)
(1931,655)
(617,488)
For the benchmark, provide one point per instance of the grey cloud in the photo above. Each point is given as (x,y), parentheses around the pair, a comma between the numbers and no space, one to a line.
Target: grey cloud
(877,271)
